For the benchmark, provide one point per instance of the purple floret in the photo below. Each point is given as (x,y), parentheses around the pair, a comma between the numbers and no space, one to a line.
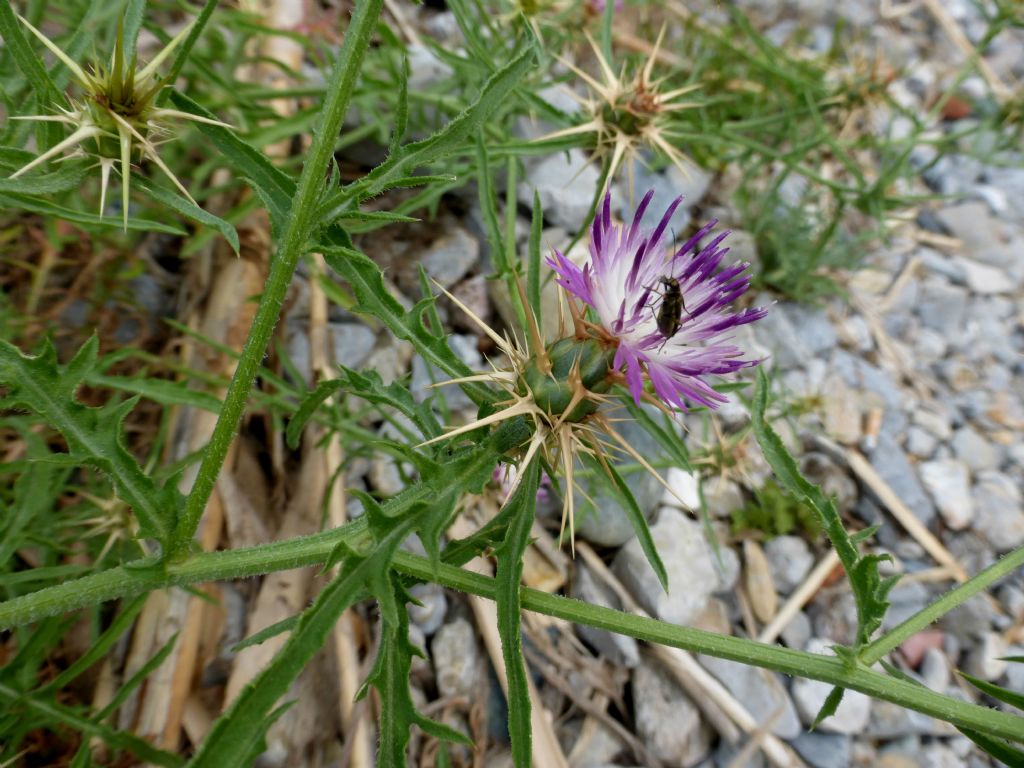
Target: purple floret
(622,282)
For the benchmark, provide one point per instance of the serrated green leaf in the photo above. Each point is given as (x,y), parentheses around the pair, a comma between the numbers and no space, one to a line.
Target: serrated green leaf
(161,391)
(134,13)
(385,216)
(373,298)
(667,438)
(67,176)
(13,158)
(99,647)
(404,182)
(369,386)
(43,88)
(46,208)
(835,698)
(53,712)
(1001,750)
(309,404)
(239,731)
(275,629)
(995,691)
(446,141)
(870,590)
(187,208)
(35,494)
(508,579)
(390,676)
(250,163)
(93,435)
(634,514)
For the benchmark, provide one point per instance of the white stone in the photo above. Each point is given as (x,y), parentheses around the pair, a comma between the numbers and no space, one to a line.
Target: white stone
(947,480)
(685,489)
(985,279)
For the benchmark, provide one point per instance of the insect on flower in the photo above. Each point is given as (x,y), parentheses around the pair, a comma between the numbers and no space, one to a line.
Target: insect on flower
(671,308)
(674,350)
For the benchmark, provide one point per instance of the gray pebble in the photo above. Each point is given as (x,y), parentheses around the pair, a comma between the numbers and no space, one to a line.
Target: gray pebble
(689,561)
(789,559)
(978,453)
(935,670)
(999,515)
(600,517)
(890,462)
(943,307)
(451,256)
(434,605)
(920,442)
(797,632)
(667,721)
(824,750)
(761,692)
(948,481)
(456,657)
(565,183)
(352,343)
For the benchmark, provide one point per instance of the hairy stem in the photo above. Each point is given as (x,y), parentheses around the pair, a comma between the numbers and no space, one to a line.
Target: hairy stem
(300,224)
(311,550)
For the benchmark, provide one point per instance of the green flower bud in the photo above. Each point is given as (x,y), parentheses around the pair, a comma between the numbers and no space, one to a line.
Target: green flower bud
(553,391)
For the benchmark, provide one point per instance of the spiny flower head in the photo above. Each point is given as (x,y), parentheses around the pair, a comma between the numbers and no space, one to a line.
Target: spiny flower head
(628,113)
(119,114)
(561,389)
(665,312)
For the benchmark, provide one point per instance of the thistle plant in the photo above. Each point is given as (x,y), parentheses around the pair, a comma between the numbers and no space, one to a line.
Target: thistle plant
(648,324)
(117,116)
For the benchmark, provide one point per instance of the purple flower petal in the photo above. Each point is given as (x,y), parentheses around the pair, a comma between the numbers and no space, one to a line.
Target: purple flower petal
(622,283)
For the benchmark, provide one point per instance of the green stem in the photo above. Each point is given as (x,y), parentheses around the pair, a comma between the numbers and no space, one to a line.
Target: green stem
(311,550)
(299,226)
(933,612)
(140,576)
(827,669)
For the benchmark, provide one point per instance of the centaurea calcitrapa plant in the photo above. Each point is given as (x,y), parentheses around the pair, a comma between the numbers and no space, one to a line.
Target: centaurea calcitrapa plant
(553,407)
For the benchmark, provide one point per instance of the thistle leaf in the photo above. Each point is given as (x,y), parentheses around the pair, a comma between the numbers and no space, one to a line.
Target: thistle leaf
(46,208)
(835,698)
(239,732)
(395,171)
(375,299)
(633,513)
(870,590)
(508,579)
(1013,698)
(189,209)
(390,676)
(93,435)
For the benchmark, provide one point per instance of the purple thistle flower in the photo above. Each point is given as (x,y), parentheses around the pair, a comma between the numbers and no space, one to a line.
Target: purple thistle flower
(623,282)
